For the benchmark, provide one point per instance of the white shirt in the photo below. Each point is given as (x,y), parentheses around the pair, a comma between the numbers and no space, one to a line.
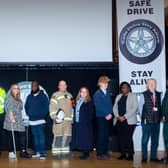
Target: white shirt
(104,90)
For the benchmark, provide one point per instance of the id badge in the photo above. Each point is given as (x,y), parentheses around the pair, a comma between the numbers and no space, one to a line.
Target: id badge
(155,109)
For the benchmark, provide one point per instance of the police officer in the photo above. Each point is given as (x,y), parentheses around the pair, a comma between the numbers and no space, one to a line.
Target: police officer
(61,102)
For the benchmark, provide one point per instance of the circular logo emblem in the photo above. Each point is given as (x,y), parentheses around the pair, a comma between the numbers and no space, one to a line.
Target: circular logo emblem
(141,41)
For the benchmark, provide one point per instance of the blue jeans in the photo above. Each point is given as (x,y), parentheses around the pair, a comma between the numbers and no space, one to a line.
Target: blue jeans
(39,138)
(150,130)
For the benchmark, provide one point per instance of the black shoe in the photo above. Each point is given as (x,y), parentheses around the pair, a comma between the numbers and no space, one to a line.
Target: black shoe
(42,156)
(130,158)
(25,154)
(156,160)
(107,156)
(144,160)
(101,157)
(122,157)
(84,157)
(164,160)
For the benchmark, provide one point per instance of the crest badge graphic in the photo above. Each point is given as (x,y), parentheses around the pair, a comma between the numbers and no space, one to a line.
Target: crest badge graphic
(141,41)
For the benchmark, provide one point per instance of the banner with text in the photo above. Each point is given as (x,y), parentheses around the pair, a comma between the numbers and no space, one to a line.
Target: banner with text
(141,37)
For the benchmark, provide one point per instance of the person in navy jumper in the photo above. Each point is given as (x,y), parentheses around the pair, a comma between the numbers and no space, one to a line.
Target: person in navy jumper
(103,105)
(37,107)
(83,123)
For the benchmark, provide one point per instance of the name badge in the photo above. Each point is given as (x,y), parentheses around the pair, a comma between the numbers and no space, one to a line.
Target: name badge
(155,109)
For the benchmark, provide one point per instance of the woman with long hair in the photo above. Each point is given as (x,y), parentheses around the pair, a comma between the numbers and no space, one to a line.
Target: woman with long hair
(83,123)
(13,122)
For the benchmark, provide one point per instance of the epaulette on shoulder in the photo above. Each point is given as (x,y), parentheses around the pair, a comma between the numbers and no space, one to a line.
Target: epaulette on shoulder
(69,95)
(55,95)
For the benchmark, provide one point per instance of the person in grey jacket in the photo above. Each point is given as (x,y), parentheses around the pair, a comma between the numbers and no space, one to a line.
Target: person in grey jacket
(125,110)
(13,122)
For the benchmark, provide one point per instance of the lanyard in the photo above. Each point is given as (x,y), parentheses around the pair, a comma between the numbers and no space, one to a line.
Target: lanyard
(153,100)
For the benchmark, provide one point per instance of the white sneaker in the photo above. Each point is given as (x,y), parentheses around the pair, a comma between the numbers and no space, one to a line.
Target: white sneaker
(36,155)
(12,155)
(42,157)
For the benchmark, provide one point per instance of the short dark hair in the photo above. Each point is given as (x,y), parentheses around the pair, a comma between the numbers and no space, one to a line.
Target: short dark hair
(35,81)
(125,83)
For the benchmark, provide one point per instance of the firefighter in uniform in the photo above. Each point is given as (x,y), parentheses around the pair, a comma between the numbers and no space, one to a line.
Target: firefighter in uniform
(61,101)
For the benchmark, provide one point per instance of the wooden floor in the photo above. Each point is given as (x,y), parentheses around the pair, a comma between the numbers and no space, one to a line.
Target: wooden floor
(76,163)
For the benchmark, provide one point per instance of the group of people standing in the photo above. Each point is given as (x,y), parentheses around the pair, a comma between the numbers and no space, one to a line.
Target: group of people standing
(73,120)
(36,108)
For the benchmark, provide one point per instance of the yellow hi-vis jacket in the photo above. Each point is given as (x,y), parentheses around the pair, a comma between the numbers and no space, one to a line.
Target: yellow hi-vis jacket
(2,100)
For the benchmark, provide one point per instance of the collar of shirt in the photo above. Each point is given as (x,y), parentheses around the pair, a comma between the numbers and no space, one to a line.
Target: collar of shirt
(104,91)
(36,94)
(153,94)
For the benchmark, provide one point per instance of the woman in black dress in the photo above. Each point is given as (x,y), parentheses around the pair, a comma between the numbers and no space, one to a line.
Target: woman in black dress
(83,123)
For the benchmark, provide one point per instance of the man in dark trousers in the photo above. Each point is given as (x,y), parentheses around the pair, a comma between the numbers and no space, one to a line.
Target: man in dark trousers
(150,109)
(37,107)
(103,104)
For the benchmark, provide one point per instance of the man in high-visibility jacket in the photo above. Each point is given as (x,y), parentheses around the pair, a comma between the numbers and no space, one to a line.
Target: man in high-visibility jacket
(62,131)
(2,111)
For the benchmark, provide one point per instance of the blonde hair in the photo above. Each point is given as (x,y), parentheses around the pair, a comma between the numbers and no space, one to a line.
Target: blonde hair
(17,96)
(103,79)
(87,98)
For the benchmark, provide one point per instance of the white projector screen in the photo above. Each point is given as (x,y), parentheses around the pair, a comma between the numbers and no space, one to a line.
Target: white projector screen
(39,31)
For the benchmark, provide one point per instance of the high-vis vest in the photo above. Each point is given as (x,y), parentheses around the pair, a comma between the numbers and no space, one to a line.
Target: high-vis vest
(2,100)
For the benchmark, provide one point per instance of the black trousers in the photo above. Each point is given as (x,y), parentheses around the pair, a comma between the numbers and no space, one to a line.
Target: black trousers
(102,136)
(125,137)
(21,138)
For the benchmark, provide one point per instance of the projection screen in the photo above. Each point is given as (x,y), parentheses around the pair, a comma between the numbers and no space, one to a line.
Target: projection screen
(55,31)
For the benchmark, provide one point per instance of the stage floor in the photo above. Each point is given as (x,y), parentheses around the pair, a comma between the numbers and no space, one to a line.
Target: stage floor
(76,163)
